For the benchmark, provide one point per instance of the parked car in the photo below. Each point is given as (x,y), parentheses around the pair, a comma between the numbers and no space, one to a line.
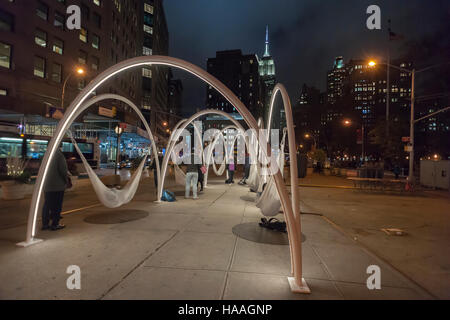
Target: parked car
(126,164)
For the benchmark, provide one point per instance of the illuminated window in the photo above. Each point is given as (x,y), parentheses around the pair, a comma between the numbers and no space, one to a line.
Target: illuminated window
(57,73)
(148,29)
(59,20)
(82,58)
(40,38)
(148,8)
(83,35)
(42,11)
(147,51)
(58,46)
(147,73)
(5,55)
(95,42)
(39,67)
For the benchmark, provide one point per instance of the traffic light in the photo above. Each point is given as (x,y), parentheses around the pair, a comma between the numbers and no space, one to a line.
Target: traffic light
(114,111)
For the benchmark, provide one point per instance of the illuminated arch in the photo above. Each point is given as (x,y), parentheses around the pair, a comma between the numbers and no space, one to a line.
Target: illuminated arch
(291,209)
(216,138)
(279,88)
(102,97)
(110,96)
(172,142)
(183,124)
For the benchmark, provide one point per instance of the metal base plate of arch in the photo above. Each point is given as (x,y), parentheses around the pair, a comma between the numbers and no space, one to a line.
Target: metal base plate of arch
(251,231)
(116,216)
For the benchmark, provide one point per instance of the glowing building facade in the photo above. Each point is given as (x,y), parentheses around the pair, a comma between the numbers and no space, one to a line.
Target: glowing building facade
(240,73)
(268,79)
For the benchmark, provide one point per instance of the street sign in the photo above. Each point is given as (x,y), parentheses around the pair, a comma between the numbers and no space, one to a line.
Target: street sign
(106,112)
(406,139)
(408,148)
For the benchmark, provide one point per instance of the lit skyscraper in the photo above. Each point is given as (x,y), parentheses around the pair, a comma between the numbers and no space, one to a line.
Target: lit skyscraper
(268,79)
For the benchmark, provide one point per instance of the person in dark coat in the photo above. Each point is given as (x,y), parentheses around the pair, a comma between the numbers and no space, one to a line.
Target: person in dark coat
(246,170)
(396,171)
(54,188)
(155,170)
(201,178)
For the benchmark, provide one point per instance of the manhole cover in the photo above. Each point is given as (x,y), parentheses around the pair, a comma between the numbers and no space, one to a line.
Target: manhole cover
(253,232)
(116,217)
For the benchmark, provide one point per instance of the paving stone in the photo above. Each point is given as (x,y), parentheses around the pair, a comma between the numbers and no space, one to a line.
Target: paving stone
(189,250)
(170,284)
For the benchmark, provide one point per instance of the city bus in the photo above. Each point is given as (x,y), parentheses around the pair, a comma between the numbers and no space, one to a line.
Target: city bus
(33,148)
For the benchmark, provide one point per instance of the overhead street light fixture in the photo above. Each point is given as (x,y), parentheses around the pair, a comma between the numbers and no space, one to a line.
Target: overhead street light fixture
(78,70)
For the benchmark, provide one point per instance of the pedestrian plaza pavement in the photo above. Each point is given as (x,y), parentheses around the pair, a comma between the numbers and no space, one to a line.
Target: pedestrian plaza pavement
(187,250)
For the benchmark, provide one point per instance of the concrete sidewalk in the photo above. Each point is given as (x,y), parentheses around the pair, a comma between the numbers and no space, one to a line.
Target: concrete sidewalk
(186,250)
(421,253)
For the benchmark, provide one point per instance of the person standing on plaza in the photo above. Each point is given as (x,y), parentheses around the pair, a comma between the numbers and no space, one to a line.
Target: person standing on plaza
(201,177)
(231,168)
(54,188)
(192,177)
(396,171)
(155,169)
(246,169)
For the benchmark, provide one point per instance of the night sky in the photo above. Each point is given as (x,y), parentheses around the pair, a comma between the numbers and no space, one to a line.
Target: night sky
(305,35)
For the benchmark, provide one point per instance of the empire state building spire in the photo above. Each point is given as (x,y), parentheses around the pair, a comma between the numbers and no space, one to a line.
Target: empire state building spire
(266,63)
(266,52)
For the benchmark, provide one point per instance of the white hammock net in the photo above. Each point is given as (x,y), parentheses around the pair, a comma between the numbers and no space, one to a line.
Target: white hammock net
(112,198)
(180,176)
(269,202)
(219,172)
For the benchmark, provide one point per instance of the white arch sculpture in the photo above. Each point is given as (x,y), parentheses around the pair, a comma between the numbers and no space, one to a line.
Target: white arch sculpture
(183,124)
(172,142)
(215,141)
(102,97)
(290,208)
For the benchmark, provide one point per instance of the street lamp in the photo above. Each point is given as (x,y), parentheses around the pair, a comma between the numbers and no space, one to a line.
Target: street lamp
(372,64)
(348,123)
(78,71)
(119,131)
(309,136)
(413,73)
